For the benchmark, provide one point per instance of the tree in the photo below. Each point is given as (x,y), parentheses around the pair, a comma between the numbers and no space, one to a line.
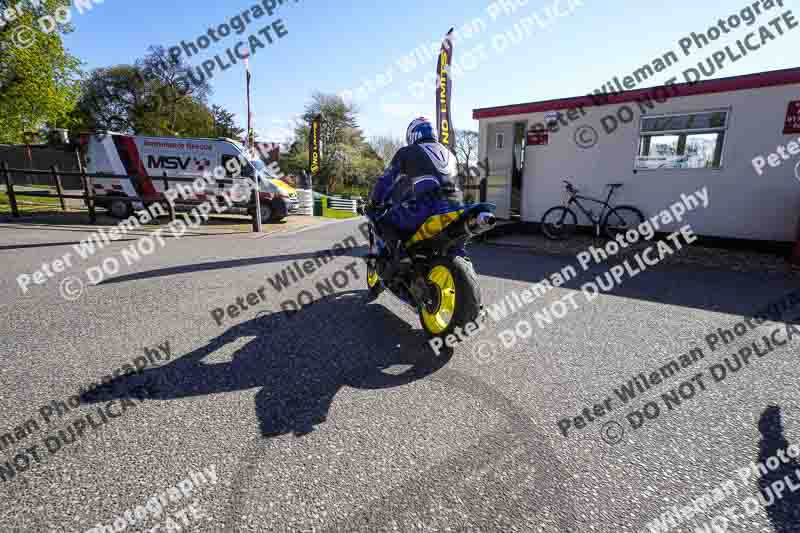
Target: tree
(295,159)
(385,147)
(467,143)
(156,96)
(339,128)
(173,83)
(346,159)
(119,99)
(224,125)
(368,168)
(39,84)
(192,118)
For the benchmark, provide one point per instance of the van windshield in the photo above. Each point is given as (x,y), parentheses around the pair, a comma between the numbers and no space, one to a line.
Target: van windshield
(238,146)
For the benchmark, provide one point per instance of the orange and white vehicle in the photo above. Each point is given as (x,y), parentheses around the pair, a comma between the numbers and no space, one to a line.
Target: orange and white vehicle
(146,159)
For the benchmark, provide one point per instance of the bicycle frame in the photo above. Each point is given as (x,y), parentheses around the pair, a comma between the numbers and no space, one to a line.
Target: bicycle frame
(575,199)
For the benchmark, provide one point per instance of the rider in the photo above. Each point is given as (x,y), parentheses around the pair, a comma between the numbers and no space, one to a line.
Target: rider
(421,180)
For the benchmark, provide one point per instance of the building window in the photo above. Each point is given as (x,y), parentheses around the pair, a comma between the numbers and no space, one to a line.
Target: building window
(499,141)
(682,141)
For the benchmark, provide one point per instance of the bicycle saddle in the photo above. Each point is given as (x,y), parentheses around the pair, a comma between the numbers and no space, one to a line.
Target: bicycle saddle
(614,185)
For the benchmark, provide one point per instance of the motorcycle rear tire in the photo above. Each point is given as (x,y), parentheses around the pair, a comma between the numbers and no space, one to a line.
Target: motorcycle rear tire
(458,297)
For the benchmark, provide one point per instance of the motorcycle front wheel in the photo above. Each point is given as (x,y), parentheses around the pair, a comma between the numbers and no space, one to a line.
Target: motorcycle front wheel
(454,296)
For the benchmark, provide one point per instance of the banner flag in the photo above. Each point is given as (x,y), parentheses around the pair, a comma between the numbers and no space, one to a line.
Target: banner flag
(314,153)
(444,123)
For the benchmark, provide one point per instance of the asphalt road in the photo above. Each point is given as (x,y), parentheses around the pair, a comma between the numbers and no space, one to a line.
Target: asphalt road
(340,418)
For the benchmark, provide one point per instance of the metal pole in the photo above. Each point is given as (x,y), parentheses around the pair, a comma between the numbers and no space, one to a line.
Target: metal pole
(249,122)
(257,217)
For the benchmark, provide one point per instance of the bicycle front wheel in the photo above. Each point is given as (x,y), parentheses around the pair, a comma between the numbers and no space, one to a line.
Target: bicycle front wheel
(621,219)
(559,223)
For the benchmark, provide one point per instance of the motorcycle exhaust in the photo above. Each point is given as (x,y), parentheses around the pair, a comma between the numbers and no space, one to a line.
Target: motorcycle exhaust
(481,224)
(487,219)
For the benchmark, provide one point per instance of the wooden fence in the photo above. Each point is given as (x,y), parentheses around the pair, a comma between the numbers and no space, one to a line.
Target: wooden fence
(88,195)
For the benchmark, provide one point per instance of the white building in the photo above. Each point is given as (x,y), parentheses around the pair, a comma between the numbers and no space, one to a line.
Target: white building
(659,142)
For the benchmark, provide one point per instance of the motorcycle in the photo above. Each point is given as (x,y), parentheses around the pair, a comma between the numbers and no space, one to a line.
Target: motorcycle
(423,273)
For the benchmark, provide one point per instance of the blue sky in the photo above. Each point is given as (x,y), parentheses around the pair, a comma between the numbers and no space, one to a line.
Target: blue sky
(336,46)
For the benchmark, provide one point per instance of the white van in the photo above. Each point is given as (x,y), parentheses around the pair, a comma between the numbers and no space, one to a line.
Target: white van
(145,159)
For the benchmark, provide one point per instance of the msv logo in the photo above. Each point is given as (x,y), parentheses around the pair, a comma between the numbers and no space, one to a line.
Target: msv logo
(168,162)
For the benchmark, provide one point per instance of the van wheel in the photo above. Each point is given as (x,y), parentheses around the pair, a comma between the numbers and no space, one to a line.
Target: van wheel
(120,209)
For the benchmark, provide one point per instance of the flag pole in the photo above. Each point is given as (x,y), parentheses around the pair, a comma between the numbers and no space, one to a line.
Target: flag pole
(249,144)
(249,116)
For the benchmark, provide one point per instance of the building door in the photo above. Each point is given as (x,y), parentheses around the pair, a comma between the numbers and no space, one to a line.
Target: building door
(517,169)
(500,153)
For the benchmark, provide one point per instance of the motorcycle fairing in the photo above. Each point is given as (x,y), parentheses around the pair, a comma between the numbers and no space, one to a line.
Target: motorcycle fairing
(434,225)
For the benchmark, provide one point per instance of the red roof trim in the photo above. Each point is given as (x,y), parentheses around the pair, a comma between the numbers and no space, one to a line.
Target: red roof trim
(736,83)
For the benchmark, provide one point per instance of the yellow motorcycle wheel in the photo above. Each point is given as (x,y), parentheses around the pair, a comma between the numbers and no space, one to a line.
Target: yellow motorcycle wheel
(453,299)
(438,316)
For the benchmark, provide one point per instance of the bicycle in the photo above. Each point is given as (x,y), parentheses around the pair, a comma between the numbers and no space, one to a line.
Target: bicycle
(560,222)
